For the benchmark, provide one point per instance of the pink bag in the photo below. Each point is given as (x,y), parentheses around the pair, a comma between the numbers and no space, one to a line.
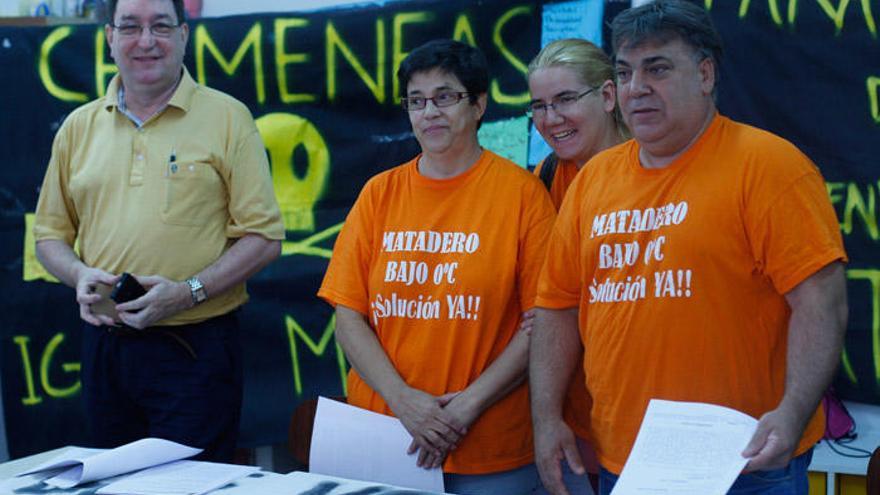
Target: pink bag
(838,422)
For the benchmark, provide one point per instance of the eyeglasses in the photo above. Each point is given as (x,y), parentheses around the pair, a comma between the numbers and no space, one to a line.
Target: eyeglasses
(560,103)
(159,30)
(443,99)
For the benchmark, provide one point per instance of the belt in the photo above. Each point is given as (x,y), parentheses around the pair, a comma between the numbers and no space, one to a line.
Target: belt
(126,331)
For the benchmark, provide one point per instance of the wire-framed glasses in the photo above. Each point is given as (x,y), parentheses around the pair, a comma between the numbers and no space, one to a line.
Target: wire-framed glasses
(560,103)
(442,99)
(159,30)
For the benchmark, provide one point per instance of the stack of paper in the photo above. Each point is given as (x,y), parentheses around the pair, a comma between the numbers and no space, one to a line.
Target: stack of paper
(156,462)
(106,464)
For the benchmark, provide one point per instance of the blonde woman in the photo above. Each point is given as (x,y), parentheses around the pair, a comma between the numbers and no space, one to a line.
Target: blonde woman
(573,106)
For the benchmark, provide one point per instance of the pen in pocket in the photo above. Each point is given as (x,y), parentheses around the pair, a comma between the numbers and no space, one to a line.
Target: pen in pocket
(172,163)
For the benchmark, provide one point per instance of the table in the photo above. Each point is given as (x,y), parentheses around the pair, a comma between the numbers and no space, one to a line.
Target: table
(867,419)
(262,483)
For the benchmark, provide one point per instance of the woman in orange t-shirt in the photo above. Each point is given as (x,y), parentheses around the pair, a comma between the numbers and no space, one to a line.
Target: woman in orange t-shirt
(437,260)
(573,107)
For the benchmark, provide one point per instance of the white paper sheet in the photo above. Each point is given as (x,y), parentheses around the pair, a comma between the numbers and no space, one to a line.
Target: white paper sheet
(84,467)
(354,443)
(686,448)
(178,478)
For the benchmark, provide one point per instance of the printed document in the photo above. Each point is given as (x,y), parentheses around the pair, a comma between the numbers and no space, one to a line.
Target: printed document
(686,448)
(350,442)
(81,466)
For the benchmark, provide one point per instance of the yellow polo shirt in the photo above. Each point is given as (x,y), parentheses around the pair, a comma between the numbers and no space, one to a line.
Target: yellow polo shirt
(167,198)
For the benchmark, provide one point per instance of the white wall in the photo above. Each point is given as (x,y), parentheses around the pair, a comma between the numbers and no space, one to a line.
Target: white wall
(212,8)
(215,8)
(8,7)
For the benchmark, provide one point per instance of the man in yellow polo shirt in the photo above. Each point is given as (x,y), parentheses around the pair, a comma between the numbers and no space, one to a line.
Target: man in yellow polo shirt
(167,180)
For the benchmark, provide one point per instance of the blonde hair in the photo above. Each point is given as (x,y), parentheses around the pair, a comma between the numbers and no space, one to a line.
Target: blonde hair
(585,59)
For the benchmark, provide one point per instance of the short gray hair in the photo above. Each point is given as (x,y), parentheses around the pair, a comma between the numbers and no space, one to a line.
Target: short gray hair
(665,20)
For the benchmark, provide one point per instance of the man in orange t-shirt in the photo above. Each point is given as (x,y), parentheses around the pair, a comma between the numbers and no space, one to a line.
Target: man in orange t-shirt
(700,262)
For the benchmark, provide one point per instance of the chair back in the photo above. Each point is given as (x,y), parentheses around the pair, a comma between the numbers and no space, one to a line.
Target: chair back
(299,433)
(873,476)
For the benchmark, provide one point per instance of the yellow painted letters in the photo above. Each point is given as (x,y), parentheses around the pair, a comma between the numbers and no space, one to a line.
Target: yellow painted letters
(283,59)
(334,42)
(46,363)
(495,89)
(251,41)
(397,53)
(317,348)
(54,89)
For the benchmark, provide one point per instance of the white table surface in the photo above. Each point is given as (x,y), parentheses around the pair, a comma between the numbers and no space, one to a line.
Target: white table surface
(867,419)
(261,483)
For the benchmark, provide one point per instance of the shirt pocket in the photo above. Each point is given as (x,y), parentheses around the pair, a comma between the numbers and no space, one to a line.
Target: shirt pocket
(194,194)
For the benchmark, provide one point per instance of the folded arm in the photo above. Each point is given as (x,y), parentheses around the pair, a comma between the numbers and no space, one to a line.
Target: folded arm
(502,376)
(422,414)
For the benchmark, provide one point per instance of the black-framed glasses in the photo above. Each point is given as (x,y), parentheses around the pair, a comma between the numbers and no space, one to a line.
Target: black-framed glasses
(559,103)
(442,99)
(159,30)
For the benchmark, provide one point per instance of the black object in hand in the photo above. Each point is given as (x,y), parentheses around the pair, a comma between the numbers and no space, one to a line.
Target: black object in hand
(127,288)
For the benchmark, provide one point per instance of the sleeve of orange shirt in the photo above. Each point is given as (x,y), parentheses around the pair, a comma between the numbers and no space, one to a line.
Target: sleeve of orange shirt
(537,221)
(345,281)
(559,283)
(797,232)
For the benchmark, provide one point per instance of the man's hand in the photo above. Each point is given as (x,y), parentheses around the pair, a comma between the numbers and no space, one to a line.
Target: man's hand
(555,443)
(87,281)
(527,322)
(774,441)
(164,298)
(433,429)
(555,351)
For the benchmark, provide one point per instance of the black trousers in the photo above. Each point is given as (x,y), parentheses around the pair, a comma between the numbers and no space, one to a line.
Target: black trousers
(179,383)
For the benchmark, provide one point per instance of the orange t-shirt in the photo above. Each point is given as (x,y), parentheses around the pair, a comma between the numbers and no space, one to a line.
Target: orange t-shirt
(577,401)
(443,269)
(680,273)
(566,170)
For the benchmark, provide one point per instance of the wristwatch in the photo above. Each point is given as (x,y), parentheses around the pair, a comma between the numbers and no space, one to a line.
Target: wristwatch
(197,290)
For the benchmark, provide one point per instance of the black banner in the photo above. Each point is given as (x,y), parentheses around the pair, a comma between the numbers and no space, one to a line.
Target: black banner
(322,88)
